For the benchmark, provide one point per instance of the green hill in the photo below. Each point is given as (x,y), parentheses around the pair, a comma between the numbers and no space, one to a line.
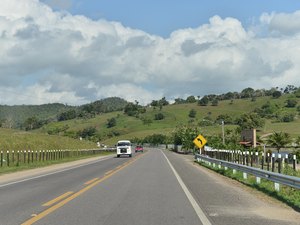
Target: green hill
(14,116)
(174,115)
(108,120)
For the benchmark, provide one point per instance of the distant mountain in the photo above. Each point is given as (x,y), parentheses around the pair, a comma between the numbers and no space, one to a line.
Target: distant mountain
(111,104)
(14,116)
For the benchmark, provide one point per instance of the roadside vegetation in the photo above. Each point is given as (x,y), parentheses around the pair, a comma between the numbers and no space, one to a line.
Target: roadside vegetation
(274,111)
(288,195)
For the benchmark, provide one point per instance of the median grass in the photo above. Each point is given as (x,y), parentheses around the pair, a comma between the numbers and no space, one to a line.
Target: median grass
(288,195)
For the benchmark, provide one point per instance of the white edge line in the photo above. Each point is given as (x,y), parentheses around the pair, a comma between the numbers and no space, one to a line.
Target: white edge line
(195,205)
(55,172)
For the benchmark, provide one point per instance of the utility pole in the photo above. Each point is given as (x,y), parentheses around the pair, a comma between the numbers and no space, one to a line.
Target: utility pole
(223,135)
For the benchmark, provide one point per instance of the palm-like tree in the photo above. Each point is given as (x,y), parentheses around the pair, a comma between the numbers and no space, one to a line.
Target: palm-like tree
(279,140)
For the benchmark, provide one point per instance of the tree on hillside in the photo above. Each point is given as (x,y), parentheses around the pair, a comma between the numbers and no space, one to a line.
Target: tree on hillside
(203,101)
(68,115)
(247,93)
(291,103)
(185,135)
(215,102)
(192,113)
(276,94)
(31,123)
(249,121)
(131,109)
(191,99)
(179,101)
(279,140)
(111,122)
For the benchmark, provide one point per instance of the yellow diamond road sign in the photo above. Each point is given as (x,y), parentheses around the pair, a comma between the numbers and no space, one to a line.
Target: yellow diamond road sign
(200,141)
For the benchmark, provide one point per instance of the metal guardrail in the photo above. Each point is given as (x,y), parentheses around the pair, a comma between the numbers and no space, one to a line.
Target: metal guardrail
(290,181)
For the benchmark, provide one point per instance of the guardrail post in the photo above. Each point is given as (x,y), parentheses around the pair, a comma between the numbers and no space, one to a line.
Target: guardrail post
(268,161)
(257,159)
(285,161)
(279,163)
(24,156)
(277,187)
(258,180)
(273,162)
(7,158)
(262,160)
(18,158)
(294,162)
(251,159)
(13,157)
(28,158)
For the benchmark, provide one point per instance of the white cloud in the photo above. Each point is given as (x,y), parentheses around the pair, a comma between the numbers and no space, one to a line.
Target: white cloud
(55,56)
(282,23)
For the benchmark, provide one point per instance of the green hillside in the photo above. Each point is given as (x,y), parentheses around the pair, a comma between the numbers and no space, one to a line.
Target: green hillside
(22,140)
(14,116)
(108,120)
(174,115)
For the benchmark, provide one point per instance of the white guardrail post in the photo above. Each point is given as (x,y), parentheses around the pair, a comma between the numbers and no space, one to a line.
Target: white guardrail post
(277,178)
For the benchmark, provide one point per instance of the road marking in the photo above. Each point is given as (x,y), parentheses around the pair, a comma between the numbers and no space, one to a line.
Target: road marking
(58,198)
(75,195)
(108,172)
(91,181)
(59,171)
(195,205)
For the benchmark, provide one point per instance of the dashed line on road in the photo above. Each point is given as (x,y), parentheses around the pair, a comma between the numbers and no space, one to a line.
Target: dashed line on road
(91,181)
(64,201)
(53,201)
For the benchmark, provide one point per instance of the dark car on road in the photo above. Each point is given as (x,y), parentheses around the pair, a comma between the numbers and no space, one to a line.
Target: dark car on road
(139,148)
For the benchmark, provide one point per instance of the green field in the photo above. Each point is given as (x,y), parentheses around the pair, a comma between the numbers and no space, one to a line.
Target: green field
(22,140)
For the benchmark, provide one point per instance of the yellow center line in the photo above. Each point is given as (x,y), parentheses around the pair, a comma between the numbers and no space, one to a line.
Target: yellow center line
(75,195)
(108,172)
(58,198)
(91,181)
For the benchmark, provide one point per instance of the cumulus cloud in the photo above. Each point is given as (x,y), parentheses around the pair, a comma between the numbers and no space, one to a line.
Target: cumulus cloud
(282,23)
(53,56)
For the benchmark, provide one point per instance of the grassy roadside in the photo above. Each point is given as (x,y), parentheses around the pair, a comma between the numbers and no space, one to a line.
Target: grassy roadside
(289,196)
(40,164)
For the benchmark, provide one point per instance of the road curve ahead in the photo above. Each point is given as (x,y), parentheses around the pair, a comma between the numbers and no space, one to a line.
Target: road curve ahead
(152,188)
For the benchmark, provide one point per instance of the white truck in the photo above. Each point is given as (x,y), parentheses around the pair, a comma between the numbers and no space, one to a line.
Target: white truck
(124,148)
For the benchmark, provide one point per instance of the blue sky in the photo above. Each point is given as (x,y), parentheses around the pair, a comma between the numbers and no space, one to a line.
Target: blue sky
(161,17)
(79,51)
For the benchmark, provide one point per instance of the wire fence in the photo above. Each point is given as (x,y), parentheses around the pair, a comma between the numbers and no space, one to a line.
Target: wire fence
(270,162)
(26,157)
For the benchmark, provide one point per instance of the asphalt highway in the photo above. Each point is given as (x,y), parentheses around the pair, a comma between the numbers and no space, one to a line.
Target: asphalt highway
(154,187)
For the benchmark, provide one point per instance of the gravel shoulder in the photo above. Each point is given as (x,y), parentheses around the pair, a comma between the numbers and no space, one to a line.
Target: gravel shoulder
(260,204)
